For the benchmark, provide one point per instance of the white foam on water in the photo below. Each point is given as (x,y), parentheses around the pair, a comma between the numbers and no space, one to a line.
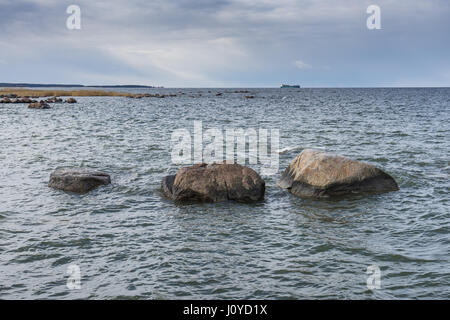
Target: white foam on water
(288,149)
(296,148)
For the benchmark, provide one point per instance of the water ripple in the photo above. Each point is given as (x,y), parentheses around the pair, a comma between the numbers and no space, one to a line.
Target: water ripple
(132,243)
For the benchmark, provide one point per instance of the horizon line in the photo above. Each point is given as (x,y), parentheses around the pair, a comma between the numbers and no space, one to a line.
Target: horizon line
(49,85)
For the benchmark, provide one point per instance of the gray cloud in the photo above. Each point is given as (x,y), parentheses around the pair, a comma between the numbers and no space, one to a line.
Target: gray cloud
(226,43)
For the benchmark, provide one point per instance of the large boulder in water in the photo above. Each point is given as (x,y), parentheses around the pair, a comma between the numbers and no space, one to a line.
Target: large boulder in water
(77,180)
(213,183)
(318,174)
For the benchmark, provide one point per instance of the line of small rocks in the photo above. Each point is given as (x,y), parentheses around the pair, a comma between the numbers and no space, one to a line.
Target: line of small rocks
(157,95)
(33,103)
(14,98)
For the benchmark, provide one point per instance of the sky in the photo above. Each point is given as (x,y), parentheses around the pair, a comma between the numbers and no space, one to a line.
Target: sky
(226,43)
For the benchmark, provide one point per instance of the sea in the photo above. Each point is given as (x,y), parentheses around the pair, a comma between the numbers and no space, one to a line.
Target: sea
(127,241)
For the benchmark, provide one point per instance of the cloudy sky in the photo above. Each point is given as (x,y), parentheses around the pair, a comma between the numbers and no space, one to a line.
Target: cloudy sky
(226,43)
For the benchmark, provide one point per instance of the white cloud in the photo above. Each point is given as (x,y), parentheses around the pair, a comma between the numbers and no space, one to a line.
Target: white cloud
(302,65)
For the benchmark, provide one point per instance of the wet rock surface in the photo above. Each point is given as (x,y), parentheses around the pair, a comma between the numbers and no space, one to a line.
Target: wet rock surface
(78,180)
(319,174)
(214,183)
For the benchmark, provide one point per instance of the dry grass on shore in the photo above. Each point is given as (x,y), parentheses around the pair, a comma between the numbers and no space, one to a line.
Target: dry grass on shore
(63,93)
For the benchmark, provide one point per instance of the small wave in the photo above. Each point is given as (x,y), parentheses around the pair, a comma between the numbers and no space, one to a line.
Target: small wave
(442,175)
(313,147)
(287,150)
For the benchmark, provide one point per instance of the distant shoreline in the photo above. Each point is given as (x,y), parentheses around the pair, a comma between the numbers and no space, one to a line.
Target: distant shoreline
(47,85)
(37,93)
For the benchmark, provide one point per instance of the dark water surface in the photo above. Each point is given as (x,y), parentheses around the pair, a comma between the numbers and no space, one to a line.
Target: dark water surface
(130,242)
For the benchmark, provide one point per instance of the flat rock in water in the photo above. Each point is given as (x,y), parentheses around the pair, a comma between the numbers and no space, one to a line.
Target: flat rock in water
(38,105)
(319,174)
(77,180)
(71,100)
(214,183)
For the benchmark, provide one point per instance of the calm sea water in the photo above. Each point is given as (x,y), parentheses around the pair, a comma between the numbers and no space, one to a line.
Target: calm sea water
(130,242)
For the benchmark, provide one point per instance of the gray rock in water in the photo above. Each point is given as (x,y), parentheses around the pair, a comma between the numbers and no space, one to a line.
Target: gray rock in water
(318,174)
(54,100)
(77,180)
(26,100)
(214,183)
(167,185)
(38,105)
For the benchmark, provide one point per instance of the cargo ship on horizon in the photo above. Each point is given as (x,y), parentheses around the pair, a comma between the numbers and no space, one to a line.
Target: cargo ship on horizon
(289,86)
